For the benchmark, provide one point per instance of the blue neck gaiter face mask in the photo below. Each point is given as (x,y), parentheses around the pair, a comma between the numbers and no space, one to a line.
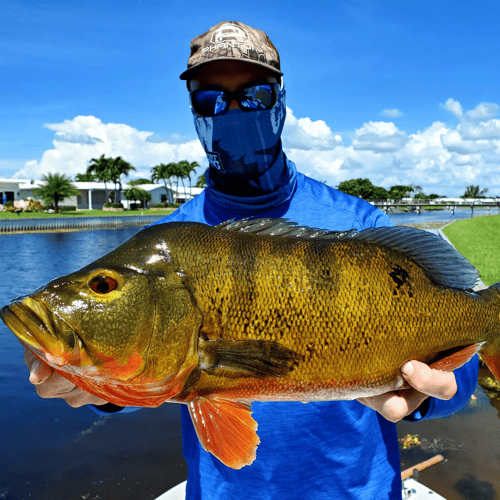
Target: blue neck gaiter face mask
(244,148)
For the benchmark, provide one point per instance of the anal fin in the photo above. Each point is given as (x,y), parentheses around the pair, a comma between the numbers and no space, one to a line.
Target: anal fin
(225,429)
(455,358)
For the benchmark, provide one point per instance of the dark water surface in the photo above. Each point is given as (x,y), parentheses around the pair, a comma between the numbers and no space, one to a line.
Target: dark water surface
(50,451)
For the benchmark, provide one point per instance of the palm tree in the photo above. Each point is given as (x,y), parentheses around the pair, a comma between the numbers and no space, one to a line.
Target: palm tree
(474,192)
(110,170)
(134,193)
(188,169)
(138,182)
(86,177)
(180,173)
(57,188)
(119,167)
(165,173)
(100,169)
(201,182)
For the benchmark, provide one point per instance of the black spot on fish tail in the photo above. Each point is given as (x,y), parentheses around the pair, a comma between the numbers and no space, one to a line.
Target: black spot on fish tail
(400,277)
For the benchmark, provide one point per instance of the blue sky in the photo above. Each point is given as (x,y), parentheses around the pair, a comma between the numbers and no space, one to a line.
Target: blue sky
(399,92)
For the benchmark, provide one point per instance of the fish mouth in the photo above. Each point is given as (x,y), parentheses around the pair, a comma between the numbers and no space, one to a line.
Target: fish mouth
(41,331)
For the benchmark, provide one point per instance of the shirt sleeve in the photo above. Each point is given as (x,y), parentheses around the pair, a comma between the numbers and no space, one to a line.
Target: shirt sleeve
(466,377)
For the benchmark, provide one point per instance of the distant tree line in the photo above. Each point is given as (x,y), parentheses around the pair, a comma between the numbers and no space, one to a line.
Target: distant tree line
(57,187)
(363,188)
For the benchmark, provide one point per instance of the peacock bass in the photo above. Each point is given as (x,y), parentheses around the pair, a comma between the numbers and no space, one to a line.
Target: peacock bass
(258,310)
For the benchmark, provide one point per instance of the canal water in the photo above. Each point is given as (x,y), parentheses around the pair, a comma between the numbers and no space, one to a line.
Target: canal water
(50,451)
(437,218)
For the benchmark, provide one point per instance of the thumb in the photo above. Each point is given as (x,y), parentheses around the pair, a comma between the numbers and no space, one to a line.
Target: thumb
(424,379)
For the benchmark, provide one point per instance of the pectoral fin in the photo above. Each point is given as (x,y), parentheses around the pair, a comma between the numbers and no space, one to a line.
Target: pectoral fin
(225,429)
(258,358)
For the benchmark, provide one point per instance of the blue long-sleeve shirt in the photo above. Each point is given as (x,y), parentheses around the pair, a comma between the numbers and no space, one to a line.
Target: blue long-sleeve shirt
(339,450)
(327,450)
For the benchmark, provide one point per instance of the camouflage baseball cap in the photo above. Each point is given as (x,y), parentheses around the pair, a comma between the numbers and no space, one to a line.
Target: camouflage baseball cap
(230,40)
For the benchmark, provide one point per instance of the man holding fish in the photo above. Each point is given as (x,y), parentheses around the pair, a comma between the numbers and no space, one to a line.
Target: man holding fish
(322,450)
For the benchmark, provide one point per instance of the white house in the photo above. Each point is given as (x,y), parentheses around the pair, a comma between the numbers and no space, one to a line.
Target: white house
(92,194)
(161,195)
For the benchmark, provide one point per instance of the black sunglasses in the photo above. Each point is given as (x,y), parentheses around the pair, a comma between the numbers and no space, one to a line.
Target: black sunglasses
(213,102)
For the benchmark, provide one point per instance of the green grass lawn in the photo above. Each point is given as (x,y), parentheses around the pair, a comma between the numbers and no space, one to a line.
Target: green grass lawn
(478,239)
(86,213)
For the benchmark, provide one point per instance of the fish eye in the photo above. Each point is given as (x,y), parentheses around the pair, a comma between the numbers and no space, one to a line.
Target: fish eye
(103,284)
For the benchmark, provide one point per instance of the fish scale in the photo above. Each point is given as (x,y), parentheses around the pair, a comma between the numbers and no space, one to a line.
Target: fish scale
(349,326)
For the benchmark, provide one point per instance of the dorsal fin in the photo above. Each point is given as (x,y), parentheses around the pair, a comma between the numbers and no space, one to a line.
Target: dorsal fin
(440,261)
(281,227)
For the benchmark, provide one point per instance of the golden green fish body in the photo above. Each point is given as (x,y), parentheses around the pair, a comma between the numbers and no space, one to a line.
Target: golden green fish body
(353,312)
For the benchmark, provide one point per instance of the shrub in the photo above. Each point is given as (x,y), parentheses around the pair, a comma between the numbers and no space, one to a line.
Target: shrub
(67,209)
(113,205)
(34,206)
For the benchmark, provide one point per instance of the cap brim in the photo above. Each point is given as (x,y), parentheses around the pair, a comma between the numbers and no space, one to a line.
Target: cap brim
(190,72)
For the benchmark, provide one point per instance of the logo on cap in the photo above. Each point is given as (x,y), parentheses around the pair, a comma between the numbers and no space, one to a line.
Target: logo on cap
(227,32)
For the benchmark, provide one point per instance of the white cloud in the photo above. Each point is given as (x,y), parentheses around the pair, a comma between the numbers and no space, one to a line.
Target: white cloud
(79,140)
(9,167)
(454,141)
(489,129)
(438,158)
(379,137)
(391,113)
(303,133)
(483,111)
(454,107)
(443,159)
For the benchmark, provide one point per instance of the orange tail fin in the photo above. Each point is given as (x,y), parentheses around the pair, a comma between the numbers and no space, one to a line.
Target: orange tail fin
(493,364)
(226,429)
(491,351)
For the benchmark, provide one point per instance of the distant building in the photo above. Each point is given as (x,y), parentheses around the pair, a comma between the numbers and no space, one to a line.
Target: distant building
(161,195)
(92,194)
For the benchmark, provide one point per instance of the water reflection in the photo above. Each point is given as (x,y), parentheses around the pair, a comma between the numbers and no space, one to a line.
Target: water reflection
(472,489)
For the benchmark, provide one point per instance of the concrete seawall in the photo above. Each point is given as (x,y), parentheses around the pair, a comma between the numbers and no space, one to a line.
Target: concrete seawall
(9,226)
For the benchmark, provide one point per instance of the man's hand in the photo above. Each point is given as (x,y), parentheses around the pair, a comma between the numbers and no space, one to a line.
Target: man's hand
(424,381)
(49,384)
